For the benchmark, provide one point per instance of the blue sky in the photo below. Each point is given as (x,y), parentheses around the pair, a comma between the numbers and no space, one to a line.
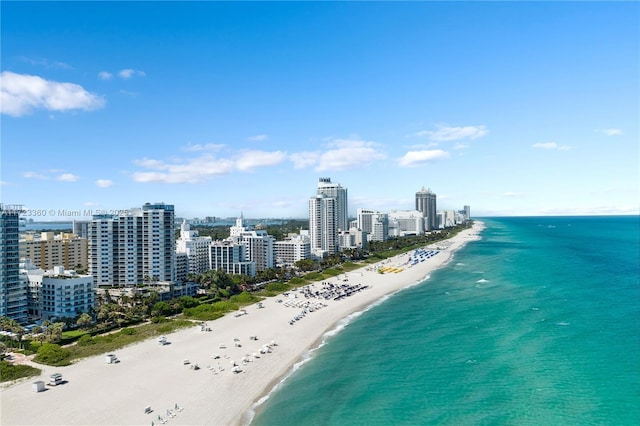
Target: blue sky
(514,108)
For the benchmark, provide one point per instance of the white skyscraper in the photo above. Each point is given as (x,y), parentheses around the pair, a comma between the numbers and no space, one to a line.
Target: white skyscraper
(129,248)
(332,189)
(323,227)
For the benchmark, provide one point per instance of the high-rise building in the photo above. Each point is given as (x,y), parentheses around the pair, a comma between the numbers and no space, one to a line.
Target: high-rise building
(13,291)
(133,247)
(323,227)
(196,248)
(426,203)
(332,189)
(259,244)
(374,223)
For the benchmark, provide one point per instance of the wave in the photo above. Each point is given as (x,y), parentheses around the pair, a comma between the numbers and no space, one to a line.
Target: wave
(482,280)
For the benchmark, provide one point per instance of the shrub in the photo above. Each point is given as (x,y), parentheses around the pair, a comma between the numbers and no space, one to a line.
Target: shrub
(86,340)
(52,354)
(128,331)
(244,298)
(279,286)
(313,276)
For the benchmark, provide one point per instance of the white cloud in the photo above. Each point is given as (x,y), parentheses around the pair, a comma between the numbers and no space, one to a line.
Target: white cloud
(205,147)
(128,73)
(250,160)
(418,158)
(104,183)
(258,138)
(194,170)
(551,145)
(611,132)
(342,154)
(35,175)
(4,183)
(21,93)
(105,75)
(447,133)
(67,177)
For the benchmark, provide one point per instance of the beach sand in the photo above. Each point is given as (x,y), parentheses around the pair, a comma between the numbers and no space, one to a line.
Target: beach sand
(156,376)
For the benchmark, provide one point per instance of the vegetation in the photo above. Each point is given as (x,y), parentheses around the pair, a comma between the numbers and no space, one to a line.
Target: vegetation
(9,372)
(52,354)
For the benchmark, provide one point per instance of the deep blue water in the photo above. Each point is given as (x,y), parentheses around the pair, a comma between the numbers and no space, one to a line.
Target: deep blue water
(537,323)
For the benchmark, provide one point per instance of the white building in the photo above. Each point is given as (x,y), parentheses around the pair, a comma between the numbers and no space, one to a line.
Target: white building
(294,248)
(353,238)
(259,245)
(374,223)
(195,247)
(57,293)
(335,190)
(231,258)
(323,227)
(406,222)
(133,247)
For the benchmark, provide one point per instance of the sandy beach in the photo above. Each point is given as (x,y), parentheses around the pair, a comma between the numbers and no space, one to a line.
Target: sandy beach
(264,344)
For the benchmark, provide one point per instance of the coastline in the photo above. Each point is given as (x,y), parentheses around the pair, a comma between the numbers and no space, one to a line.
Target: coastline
(157,376)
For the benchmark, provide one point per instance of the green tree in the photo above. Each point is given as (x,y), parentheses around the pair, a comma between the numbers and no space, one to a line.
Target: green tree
(84,320)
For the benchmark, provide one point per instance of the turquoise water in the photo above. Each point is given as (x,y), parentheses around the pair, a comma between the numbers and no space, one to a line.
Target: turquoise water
(537,323)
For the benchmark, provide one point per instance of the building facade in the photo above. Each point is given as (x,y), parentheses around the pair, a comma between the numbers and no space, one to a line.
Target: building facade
(13,292)
(426,204)
(231,258)
(335,190)
(195,247)
(294,248)
(405,222)
(58,293)
(51,250)
(133,247)
(374,223)
(323,225)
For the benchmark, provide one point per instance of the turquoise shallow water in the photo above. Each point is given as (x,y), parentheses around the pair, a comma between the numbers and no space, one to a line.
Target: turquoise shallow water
(537,323)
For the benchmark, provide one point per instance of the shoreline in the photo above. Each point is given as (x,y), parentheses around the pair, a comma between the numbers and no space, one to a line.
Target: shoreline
(163,376)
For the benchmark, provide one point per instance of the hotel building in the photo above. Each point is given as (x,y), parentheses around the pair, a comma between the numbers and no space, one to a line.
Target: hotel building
(323,226)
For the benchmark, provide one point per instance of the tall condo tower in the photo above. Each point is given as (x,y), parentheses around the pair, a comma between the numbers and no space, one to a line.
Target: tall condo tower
(136,245)
(331,189)
(426,204)
(13,292)
(323,228)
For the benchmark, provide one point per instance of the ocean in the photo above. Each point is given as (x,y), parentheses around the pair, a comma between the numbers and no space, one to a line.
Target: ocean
(538,323)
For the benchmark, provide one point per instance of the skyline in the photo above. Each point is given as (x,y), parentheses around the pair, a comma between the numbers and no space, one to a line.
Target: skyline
(223,108)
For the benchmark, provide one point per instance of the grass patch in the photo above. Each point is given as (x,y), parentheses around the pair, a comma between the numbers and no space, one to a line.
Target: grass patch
(10,372)
(106,343)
